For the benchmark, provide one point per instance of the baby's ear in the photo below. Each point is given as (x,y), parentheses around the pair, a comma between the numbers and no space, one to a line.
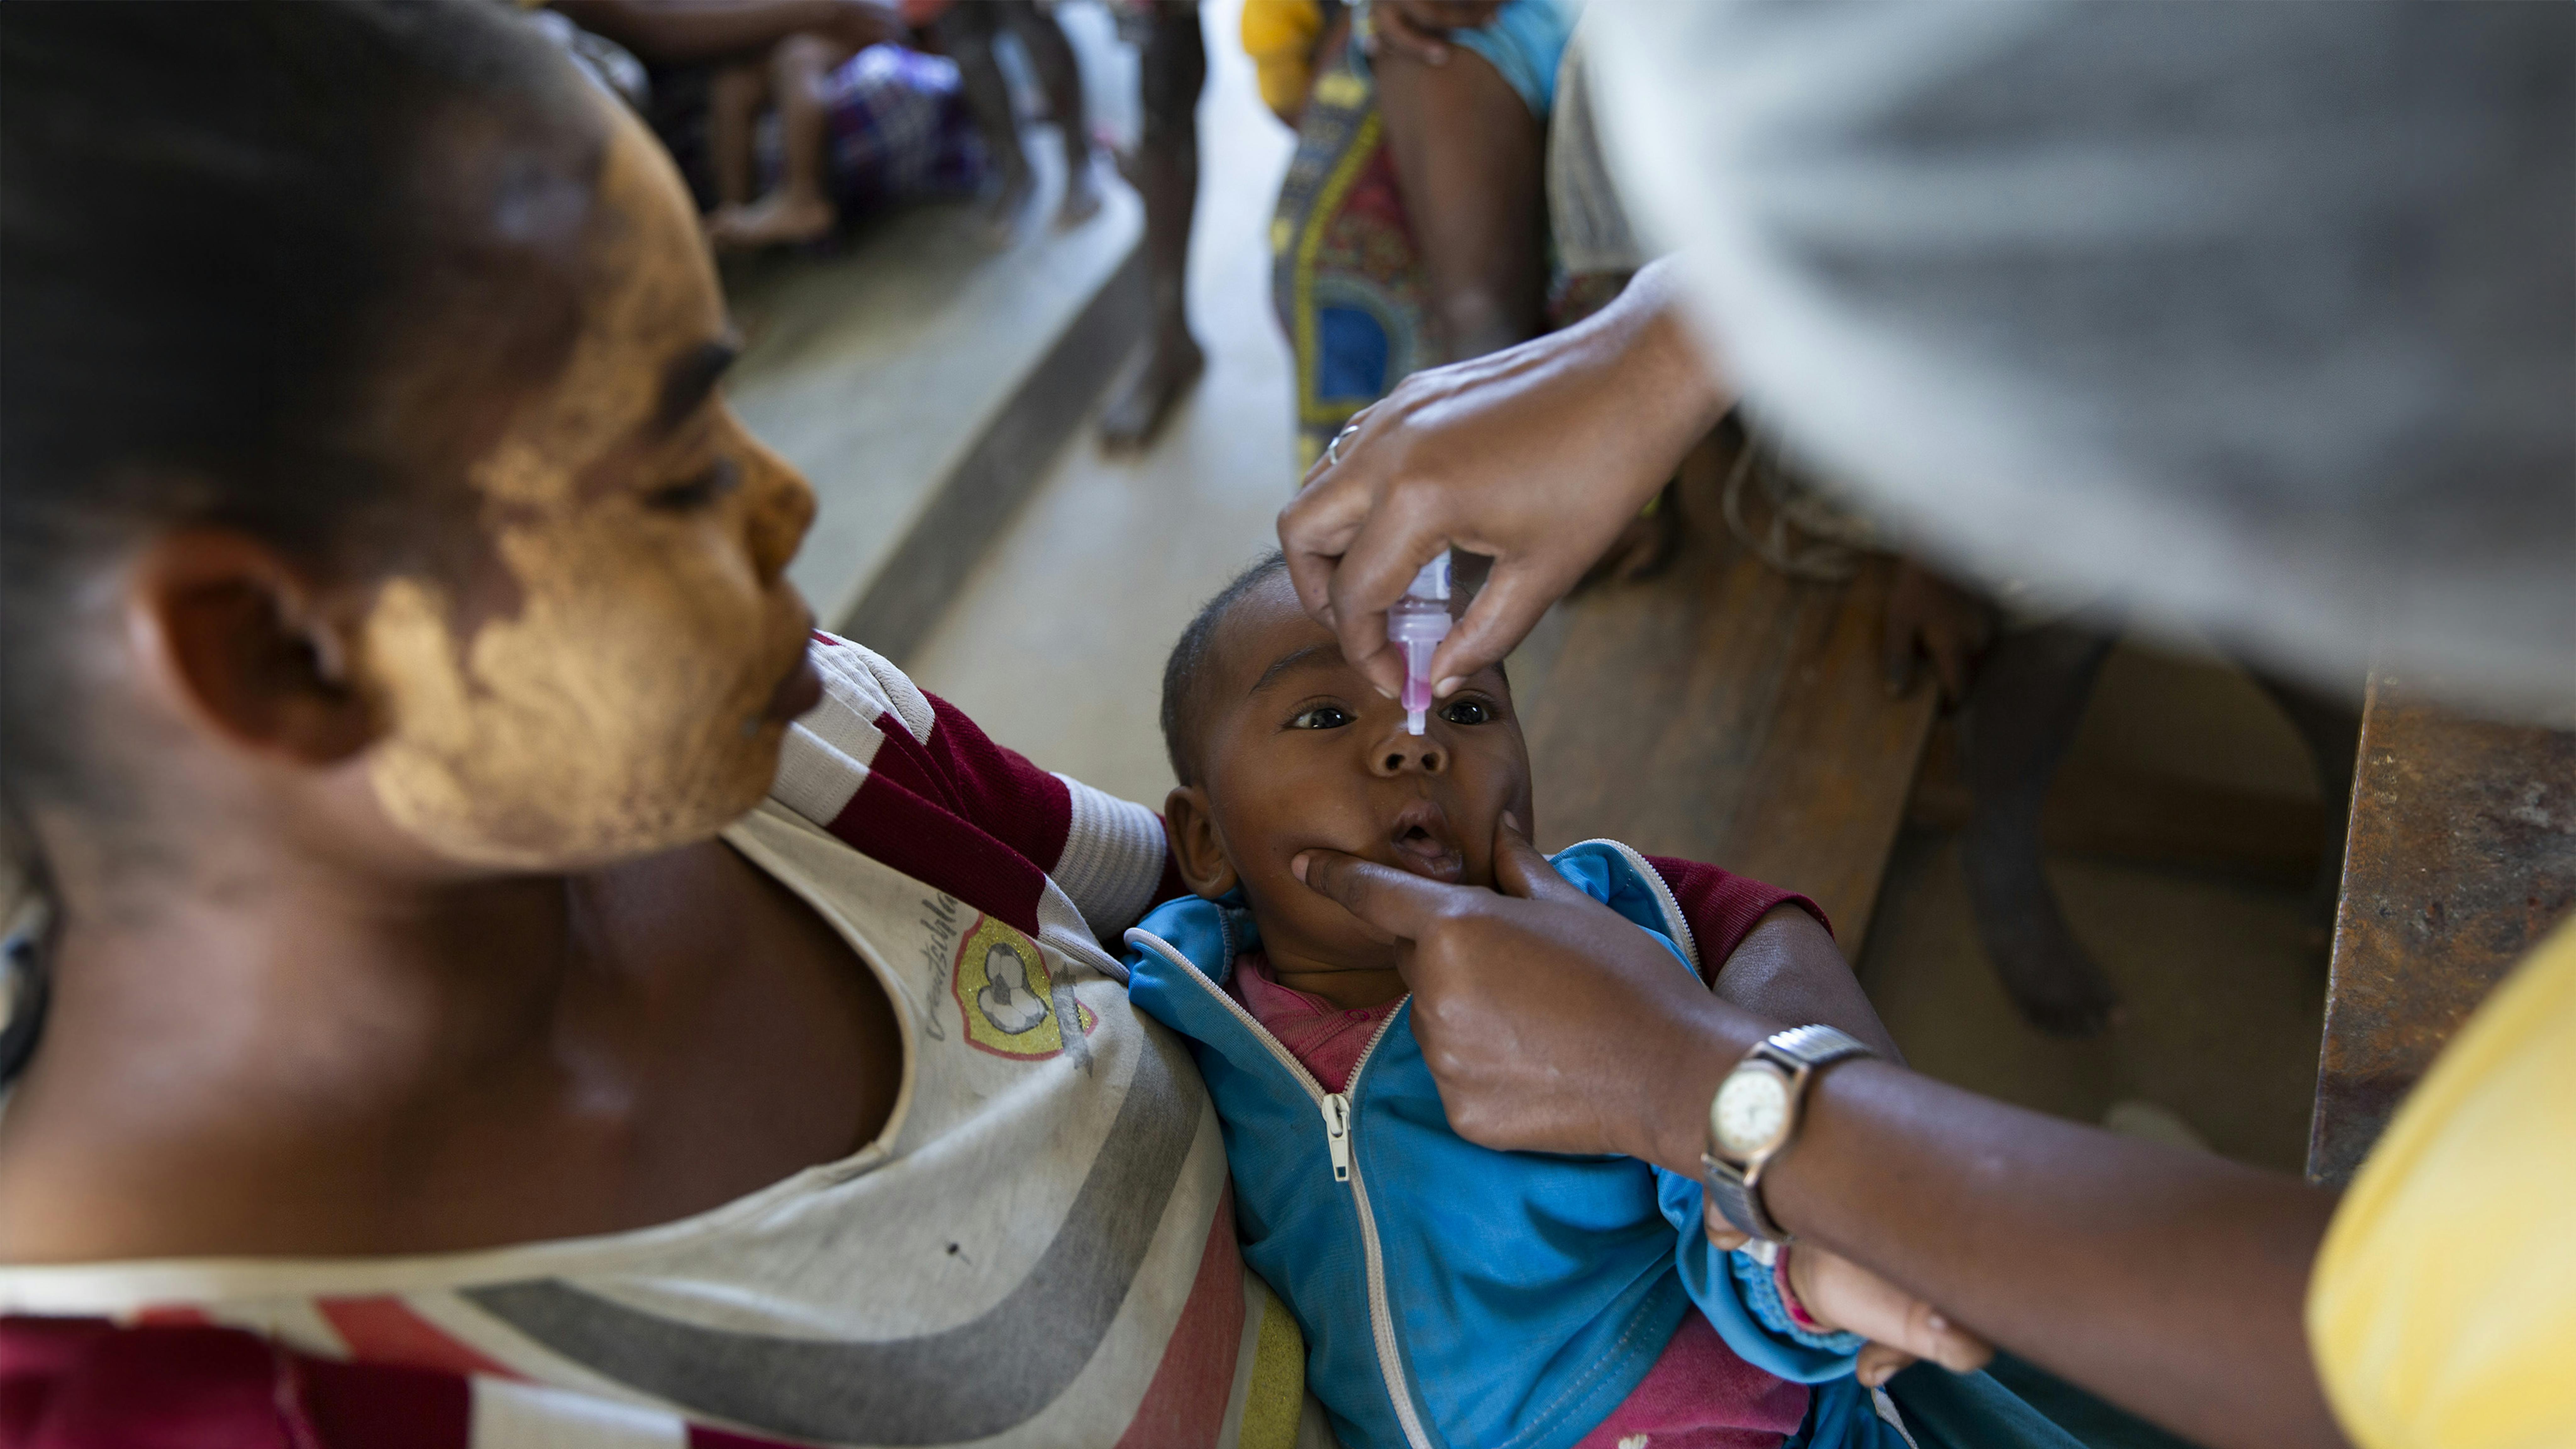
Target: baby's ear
(1195,846)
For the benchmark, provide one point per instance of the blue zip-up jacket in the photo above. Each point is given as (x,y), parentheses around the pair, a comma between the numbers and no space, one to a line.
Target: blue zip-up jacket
(1452,1295)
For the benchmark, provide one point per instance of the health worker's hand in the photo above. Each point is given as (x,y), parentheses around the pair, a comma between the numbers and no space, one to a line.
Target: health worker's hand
(1536,456)
(1552,1024)
(1549,1022)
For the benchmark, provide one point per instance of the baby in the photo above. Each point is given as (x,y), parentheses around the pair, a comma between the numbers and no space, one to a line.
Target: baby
(1451,1294)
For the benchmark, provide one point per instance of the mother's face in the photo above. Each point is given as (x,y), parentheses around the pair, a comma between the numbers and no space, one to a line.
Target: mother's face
(619,680)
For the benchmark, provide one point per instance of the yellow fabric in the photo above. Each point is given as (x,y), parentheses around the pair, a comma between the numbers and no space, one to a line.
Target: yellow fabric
(2443,1307)
(1278,1394)
(1280,37)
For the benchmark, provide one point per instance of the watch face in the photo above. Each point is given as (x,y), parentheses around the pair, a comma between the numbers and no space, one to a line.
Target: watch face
(1752,1111)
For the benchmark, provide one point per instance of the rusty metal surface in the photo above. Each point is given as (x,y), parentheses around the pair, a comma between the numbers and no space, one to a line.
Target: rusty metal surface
(2462,854)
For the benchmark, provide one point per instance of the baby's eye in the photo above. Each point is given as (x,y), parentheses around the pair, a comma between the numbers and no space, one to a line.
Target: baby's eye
(1321,717)
(1467,712)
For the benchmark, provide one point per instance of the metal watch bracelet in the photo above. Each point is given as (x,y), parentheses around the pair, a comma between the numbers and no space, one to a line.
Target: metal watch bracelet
(1761,1104)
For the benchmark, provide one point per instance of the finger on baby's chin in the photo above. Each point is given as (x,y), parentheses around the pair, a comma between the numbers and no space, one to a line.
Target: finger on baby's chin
(1395,901)
(1519,867)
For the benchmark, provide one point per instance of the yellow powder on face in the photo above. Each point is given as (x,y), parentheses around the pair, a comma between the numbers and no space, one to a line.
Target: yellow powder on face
(619,709)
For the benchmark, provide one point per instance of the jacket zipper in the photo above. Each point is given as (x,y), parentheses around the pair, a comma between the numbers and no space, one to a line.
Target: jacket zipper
(1390,1361)
(1335,1108)
(1676,924)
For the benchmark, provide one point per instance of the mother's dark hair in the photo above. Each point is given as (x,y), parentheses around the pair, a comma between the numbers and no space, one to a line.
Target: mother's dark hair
(216,234)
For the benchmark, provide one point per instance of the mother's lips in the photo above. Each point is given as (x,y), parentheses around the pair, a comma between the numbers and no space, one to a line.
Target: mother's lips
(800,691)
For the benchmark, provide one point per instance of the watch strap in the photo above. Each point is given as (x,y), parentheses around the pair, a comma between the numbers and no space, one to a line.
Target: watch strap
(1812,1046)
(1738,1201)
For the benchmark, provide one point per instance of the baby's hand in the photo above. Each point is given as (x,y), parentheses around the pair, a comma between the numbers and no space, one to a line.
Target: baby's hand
(1839,1294)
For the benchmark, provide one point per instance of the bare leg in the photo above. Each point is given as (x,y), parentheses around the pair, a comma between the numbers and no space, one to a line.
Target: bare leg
(1469,163)
(735,97)
(967,32)
(800,208)
(2029,697)
(1173,71)
(1051,56)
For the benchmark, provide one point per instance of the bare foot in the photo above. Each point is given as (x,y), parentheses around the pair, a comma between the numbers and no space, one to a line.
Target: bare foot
(774,220)
(1081,197)
(1002,209)
(1137,413)
(2047,972)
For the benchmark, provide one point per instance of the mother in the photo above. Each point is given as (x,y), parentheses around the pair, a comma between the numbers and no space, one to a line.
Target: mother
(501,961)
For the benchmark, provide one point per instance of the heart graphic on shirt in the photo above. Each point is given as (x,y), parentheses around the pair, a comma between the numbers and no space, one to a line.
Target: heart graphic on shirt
(1009,1000)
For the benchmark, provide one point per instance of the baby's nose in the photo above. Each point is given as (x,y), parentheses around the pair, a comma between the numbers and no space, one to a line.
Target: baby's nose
(1401,752)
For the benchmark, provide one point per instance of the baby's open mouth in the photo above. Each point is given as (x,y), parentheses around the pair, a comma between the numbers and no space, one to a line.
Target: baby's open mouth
(1423,844)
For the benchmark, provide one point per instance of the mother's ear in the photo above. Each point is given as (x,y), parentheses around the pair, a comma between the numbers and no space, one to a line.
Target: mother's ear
(1196,848)
(238,639)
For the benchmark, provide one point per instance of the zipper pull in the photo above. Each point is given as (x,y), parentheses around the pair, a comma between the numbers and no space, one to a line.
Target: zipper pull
(1337,1134)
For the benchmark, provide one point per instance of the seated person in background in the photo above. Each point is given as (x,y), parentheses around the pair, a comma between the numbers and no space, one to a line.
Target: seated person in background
(858,126)
(863,120)
(798,207)
(1450,1293)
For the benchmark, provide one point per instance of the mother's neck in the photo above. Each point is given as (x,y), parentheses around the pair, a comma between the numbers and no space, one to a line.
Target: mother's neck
(240,957)
(242,1005)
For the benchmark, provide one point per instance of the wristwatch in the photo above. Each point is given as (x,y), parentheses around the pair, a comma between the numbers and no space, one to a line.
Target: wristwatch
(1755,1115)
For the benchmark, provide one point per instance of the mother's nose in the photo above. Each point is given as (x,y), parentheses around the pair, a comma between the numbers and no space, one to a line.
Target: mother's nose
(778,506)
(1400,753)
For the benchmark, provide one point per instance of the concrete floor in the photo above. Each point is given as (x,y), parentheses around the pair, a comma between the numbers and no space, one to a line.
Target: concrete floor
(840,377)
(1056,645)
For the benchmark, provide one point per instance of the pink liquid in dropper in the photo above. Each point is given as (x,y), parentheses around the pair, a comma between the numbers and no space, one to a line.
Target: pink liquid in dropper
(1416,624)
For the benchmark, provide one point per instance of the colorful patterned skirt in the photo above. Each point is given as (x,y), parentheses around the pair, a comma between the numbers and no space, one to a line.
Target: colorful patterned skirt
(1346,277)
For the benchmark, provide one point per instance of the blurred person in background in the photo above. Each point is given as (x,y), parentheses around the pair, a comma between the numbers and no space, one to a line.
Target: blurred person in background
(967,30)
(1171,70)
(1412,227)
(863,119)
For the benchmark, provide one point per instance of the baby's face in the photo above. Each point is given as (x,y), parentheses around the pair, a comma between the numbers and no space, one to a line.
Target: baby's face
(1297,751)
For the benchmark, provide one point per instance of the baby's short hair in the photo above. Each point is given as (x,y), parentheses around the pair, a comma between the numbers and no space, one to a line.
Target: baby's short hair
(1185,673)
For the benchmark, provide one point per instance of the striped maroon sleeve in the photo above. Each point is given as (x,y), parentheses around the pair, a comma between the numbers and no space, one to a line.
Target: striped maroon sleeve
(79,1383)
(942,848)
(1110,857)
(1723,907)
(908,778)
(960,768)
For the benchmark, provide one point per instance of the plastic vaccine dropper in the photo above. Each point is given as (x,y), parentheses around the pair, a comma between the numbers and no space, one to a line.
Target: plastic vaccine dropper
(1416,624)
